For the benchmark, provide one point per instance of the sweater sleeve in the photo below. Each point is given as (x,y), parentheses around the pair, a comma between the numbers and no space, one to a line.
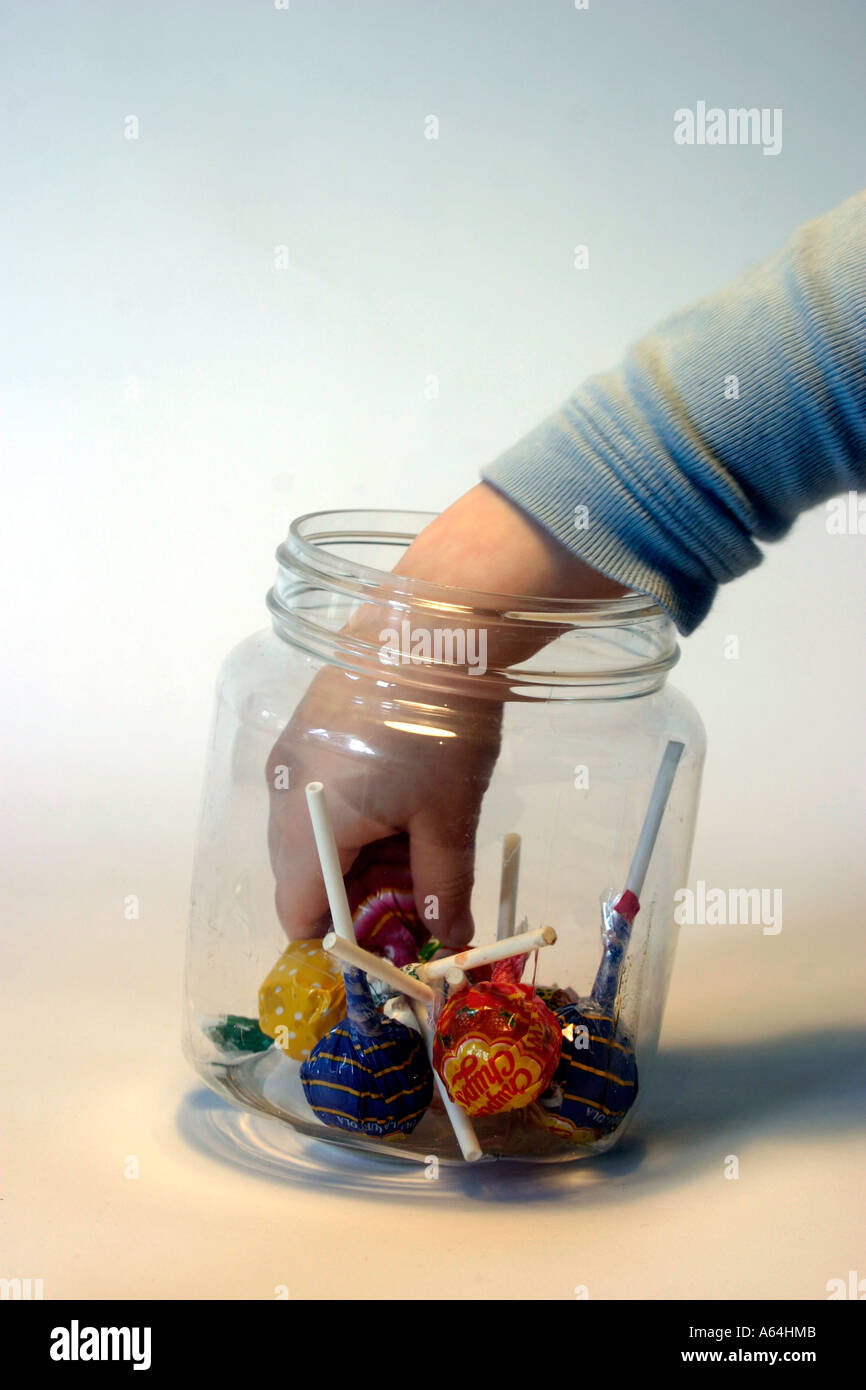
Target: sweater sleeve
(718,429)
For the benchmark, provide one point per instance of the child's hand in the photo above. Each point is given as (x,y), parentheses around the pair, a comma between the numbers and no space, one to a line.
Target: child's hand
(428,784)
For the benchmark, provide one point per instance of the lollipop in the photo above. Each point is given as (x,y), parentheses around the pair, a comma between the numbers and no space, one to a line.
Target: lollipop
(496,1045)
(597,1072)
(617,920)
(408,1005)
(382,903)
(596,1083)
(368,1074)
(302,998)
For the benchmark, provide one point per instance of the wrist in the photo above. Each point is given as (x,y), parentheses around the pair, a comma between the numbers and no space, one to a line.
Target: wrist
(484,542)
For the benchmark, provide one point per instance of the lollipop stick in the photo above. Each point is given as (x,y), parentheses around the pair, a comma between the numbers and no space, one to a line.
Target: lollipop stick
(341,917)
(617,918)
(485,955)
(460,1122)
(508,886)
(329,859)
(359,1006)
(629,901)
(454,979)
(352,954)
(399,1009)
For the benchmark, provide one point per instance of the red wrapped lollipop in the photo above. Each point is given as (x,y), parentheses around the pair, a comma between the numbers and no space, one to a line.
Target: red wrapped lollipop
(497,1044)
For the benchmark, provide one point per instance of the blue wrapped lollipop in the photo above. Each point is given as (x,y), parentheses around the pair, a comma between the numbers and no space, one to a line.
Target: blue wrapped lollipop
(596,1083)
(368,1074)
(597,1070)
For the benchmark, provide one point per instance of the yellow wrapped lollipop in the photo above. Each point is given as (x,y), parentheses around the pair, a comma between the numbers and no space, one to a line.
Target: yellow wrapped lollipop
(302,998)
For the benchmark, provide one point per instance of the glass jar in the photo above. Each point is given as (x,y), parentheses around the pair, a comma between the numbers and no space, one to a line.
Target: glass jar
(558,718)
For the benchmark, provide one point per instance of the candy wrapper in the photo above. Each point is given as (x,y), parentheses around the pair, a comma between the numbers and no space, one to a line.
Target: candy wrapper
(496,1044)
(368,1074)
(595,1084)
(235,1033)
(379,888)
(597,1072)
(302,998)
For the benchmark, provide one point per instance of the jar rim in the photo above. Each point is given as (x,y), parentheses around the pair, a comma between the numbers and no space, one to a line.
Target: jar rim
(608,647)
(310,533)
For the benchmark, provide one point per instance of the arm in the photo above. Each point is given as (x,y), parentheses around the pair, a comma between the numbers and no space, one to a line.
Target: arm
(680,481)
(426,792)
(717,431)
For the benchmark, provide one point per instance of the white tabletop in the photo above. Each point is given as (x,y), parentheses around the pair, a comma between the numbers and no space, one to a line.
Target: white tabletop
(98,1084)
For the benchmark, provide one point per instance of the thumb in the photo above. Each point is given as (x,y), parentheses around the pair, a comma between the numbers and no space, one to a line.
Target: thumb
(443,871)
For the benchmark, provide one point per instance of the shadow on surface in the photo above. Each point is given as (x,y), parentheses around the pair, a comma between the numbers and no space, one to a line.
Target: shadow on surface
(701,1104)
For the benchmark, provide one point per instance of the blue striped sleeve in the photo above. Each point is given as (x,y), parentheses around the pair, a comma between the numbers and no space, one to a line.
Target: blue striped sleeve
(718,429)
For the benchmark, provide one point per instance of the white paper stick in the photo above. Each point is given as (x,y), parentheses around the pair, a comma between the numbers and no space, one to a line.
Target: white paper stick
(508,886)
(352,954)
(516,945)
(329,859)
(460,1121)
(653,818)
(399,1009)
(453,981)
(344,936)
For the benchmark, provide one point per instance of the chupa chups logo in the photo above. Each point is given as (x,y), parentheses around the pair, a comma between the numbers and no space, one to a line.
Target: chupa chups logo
(494,1083)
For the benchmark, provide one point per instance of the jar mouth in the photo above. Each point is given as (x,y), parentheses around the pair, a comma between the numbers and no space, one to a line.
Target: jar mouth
(310,535)
(329,553)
